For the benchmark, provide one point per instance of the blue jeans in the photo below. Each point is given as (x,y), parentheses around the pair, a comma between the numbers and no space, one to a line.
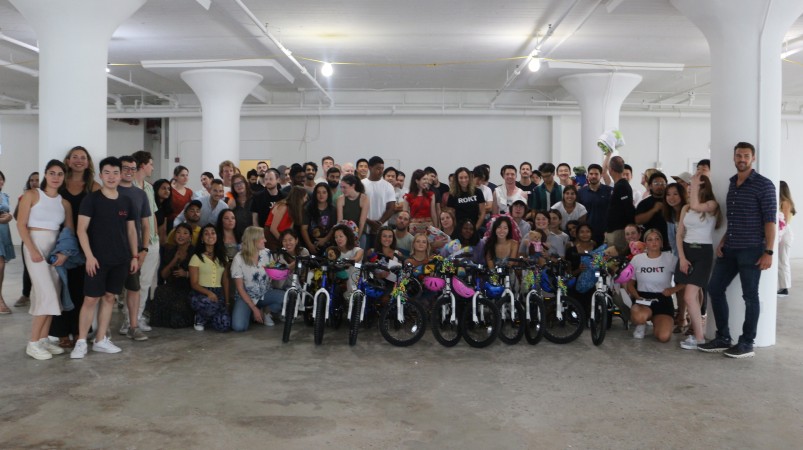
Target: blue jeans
(241,313)
(742,262)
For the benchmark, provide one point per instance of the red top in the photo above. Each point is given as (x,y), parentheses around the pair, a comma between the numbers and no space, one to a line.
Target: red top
(178,202)
(420,205)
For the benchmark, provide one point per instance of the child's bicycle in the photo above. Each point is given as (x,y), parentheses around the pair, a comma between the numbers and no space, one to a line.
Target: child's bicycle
(564,316)
(327,305)
(602,307)
(297,297)
(403,321)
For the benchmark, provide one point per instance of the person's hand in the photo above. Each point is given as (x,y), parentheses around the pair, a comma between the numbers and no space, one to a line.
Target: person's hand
(684,266)
(141,258)
(92,266)
(667,292)
(257,314)
(134,265)
(765,262)
(719,249)
(60,259)
(36,256)
(212,297)
(180,273)
(6,217)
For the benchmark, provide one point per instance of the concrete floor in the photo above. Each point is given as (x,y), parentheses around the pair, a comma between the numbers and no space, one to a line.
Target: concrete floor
(188,389)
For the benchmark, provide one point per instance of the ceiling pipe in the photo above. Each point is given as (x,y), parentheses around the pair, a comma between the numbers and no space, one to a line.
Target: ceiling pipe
(141,88)
(284,50)
(19,68)
(19,43)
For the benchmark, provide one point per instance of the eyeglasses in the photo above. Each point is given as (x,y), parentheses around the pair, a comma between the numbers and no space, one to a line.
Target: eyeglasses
(659,183)
(129,169)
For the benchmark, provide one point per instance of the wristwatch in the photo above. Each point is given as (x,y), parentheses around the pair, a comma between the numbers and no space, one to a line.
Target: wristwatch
(769,251)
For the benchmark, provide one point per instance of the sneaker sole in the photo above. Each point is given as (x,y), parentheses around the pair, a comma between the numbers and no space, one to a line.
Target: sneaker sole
(742,356)
(712,350)
(688,347)
(41,357)
(138,339)
(74,356)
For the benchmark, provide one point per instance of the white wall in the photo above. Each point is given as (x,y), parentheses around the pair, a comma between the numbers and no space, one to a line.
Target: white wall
(444,142)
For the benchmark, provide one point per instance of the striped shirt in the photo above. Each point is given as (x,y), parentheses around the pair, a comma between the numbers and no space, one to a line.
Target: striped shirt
(750,206)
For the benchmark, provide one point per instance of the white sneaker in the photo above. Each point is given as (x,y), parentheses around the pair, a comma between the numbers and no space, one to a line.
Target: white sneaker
(268,320)
(105,346)
(638,333)
(50,347)
(689,344)
(79,351)
(199,326)
(142,324)
(124,327)
(35,351)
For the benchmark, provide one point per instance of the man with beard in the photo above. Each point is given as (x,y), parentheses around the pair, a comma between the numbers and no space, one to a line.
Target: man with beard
(595,196)
(310,170)
(259,186)
(263,201)
(333,180)
(650,211)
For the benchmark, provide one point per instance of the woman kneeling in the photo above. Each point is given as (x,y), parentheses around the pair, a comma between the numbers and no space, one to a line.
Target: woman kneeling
(653,299)
(253,291)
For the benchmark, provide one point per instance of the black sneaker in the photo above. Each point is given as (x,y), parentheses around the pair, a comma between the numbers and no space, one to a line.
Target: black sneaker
(716,345)
(781,293)
(740,350)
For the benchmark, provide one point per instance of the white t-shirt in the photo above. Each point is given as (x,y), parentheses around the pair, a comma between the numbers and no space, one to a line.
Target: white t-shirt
(255,279)
(379,193)
(579,211)
(654,275)
(504,201)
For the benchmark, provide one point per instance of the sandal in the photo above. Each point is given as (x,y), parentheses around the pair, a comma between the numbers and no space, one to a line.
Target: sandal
(66,342)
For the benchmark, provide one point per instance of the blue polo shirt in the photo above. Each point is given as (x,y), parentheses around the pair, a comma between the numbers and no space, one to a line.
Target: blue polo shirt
(750,206)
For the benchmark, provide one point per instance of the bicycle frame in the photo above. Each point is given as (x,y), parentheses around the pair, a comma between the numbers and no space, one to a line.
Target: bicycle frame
(301,290)
(604,287)
(324,289)
(360,288)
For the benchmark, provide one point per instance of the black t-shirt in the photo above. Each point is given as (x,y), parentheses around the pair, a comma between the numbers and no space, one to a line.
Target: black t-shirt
(657,220)
(256,187)
(529,188)
(596,203)
(467,206)
(262,203)
(621,211)
(140,205)
(108,232)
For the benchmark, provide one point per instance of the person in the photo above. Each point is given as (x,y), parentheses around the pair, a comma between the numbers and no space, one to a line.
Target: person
(385,253)
(284,176)
(42,212)
(252,285)
(785,239)
(620,210)
(507,193)
(595,197)
(327,162)
(297,178)
(404,239)
(310,171)
(558,240)
(481,175)
(25,299)
(517,212)
(180,195)
(440,189)
(382,196)
(347,168)
(704,167)
(695,229)
(353,205)
(206,186)
(319,219)
(288,213)
(333,180)
(6,245)
(500,245)
(745,249)
(209,282)
(651,289)
(261,170)
(170,305)
(161,189)
(141,213)
(420,203)
(547,193)
(79,182)
(226,229)
(362,169)
(192,217)
(241,202)
(650,210)
(108,238)
(290,247)
(583,246)
(525,182)
(420,255)
(564,172)
(466,199)
(675,200)
(569,208)
(264,201)
(346,244)
(225,170)
(448,222)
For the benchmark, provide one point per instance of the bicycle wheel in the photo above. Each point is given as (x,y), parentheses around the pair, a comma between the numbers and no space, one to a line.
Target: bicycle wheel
(599,323)
(407,331)
(534,327)
(354,321)
(445,331)
(483,332)
(289,314)
(510,330)
(338,311)
(570,327)
(320,319)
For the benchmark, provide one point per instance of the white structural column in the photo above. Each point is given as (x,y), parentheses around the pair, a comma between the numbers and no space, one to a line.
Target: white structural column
(744,38)
(221,92)
(600,96)
(73,53)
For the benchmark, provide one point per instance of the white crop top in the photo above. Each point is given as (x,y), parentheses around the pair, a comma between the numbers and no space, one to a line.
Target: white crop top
(48,213)
(699,230)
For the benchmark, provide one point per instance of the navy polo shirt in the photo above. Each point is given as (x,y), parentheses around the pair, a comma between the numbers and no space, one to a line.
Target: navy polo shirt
(750,206)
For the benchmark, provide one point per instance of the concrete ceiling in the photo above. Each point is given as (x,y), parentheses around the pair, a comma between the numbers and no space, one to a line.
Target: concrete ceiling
(401,51)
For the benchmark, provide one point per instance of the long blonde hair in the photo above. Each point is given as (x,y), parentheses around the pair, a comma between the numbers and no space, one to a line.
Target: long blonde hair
(249,250)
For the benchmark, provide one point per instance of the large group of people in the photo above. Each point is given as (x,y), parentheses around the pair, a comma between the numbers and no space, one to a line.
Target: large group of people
(178,257)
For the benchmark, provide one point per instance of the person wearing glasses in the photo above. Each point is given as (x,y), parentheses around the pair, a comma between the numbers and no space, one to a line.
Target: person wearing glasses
(650,211)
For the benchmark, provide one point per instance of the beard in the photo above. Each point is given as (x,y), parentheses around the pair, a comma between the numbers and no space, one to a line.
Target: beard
(333,184)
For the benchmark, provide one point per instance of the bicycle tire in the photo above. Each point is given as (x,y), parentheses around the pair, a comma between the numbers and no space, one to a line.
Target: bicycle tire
(570,327)
(337,312)
(485,331)
(534,328)
(289,315)
(354,320)
(446,333)
(599,324)
(407,333)
(320,319)
(510,331)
